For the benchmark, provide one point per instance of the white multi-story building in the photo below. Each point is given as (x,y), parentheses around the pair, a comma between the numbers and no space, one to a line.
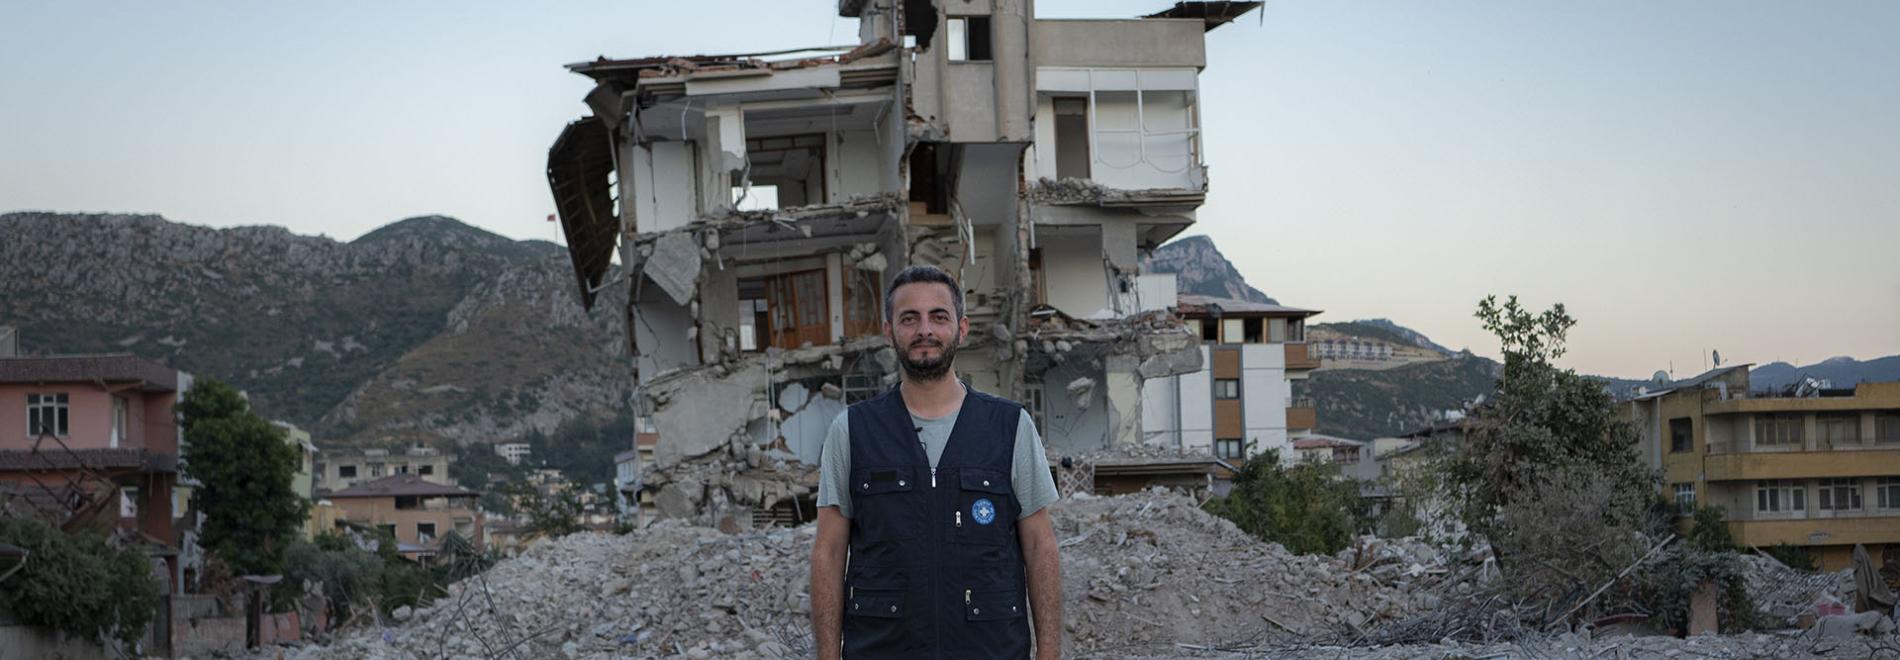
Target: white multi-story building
(1241,403)
(514,452)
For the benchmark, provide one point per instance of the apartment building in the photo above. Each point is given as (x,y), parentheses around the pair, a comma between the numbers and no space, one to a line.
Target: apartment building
(418,512)
(514,452)
(759,203)
(91,441)
(339,469)
(1820,472)
(1242,404)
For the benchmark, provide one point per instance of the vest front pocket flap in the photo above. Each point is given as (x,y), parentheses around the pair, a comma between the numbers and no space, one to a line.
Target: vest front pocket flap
(986,481)
(880,604)
(877,481)
(994,606)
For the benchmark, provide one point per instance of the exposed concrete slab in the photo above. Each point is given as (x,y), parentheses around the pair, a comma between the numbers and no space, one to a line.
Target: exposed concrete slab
(674,265)
(703,412)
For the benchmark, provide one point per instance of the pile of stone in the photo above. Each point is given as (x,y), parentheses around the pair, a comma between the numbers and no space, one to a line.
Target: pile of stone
(1784,594)
(1142,571)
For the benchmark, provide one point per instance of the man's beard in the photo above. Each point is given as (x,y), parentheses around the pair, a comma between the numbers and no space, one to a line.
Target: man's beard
(928,369)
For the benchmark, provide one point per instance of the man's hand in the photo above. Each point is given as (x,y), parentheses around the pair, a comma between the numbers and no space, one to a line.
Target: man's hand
(827,582)
(1043,562)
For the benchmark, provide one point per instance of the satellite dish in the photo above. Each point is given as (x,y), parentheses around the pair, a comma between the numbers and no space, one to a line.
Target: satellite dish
(1660,378)
(1716,356)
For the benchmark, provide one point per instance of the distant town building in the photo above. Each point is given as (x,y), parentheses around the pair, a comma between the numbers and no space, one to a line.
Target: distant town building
(418,512)
(338,469)
(514,452)
(1820,471)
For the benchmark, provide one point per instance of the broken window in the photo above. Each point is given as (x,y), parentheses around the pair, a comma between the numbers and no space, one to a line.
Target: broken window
(1840,495)
(1229,448)
(797,311)
(1680,435)
(1072,138)
(969,39)
(1685,499)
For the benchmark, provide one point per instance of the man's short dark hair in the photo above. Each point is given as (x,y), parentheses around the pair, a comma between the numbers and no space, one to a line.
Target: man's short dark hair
(922,273)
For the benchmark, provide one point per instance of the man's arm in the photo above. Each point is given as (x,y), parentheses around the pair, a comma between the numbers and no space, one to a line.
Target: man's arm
(827,582)
(1043,562)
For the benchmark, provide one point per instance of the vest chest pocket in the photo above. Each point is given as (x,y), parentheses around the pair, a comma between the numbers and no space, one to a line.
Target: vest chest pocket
(984,505)
(883,505)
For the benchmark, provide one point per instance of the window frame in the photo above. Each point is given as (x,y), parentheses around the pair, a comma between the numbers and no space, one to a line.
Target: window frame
(1887,492)
(1685,506)
(1230,448)
(1220,389)
(340,469)
(56,404)
(1829,494)
(1772,430)
(1688,435)
(1771,493)
(425,537)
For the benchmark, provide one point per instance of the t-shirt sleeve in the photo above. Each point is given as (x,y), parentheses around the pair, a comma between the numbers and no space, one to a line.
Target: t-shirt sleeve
(834,465)
(1029,470)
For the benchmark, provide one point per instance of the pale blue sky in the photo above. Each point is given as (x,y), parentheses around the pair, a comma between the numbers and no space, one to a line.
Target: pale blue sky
(1684,175)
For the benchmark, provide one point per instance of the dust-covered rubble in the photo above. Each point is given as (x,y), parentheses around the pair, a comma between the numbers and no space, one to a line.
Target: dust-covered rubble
(1146,575)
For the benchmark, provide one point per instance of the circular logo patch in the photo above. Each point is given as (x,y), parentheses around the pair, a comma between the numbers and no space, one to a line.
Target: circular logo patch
(983,512)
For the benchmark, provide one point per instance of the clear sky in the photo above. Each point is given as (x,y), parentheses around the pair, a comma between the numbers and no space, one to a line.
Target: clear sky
(1683,175)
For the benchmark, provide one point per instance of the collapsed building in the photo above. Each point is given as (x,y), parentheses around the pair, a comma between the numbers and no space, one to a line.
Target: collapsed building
(758,204)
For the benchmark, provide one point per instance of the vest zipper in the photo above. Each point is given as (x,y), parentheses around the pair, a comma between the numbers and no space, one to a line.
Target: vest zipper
(966,597)
(959,519)
(933,477)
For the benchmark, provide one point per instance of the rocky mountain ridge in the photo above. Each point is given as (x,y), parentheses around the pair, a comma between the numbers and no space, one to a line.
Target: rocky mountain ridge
(427,329)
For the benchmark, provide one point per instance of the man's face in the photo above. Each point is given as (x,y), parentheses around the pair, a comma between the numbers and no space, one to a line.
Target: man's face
(925,330)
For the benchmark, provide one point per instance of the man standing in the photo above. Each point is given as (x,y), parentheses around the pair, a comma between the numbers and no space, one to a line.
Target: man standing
(939,493)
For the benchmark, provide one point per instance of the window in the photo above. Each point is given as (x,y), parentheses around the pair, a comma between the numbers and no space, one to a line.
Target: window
(1777,430)
(1231,331)
(376,469)
(1229,448)
(1837,430)
(1032,399)
(1776,495)
(970,39)
(1210,331)
(402,469)
(1296,330)
(1250,331)
(1681,436)
(1840,495)
(1072,138)
(1887,427)
(128,503)
(1888,492)
(346,472)
(1276,330)
(1226,388)
(425,470)
(1685,499)
(118,421)
(425,532)
(46,414)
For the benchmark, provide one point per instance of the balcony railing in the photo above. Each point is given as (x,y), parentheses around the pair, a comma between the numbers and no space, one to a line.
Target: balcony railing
(1302,416)
(1802,464)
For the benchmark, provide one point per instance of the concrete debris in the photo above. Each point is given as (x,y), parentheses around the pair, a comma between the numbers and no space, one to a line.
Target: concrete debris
(874,263)
(674,265)
(1083,391)
(1784,594)
(1085,191)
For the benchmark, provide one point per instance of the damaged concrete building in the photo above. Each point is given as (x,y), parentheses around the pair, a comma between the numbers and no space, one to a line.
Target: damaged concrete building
(757,205)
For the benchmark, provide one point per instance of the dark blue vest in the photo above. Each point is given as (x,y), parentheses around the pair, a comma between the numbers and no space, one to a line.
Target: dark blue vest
(936,570)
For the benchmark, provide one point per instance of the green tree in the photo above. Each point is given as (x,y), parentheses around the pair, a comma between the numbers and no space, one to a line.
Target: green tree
(78,584)
(1307,507)
(251,512)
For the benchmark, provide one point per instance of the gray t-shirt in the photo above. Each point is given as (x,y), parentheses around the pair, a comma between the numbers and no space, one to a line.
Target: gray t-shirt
(1029,467)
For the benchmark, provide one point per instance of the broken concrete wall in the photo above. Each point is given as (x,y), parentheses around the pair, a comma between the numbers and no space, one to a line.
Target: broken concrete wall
(697,413)
(661,193)
(1075,405)
(1123,399)
(663,331)
(718,308)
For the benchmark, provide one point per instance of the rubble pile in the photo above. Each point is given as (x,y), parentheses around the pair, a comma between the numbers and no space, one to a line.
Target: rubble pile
(1152,569)
(1784,594)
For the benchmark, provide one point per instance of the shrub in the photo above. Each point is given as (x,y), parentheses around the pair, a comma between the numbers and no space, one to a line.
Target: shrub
(1308,508)
(78,584)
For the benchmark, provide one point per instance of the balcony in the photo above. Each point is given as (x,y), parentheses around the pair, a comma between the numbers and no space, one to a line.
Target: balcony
(1802,464)
(1302,415)
(1298,357)
(1872,529)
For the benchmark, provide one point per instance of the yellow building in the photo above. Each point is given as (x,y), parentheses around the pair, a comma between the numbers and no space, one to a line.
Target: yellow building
(1820,472)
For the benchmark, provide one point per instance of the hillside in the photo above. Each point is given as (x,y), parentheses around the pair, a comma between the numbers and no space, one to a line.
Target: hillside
(1200,269)
(1843,371)
(424,329)
(1381,329)
(1362,404)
